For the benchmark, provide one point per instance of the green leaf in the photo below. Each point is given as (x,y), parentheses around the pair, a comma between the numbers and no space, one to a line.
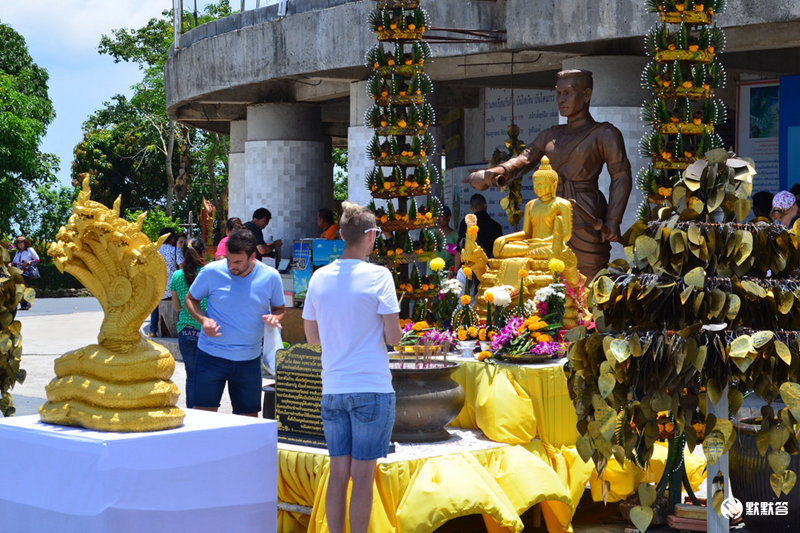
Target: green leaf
(778,460)
(585,447)
(735,399)
(782,482)
(783,352)
(605,417)
(606,383)
(695,278)
(620,350)
(700,360)
(761,338)
(790,393)
(647,494)
(602,288)
(734,304)
(641,517)
(645,247)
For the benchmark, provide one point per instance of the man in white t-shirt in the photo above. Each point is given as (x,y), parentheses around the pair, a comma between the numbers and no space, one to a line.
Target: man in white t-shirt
(351,310)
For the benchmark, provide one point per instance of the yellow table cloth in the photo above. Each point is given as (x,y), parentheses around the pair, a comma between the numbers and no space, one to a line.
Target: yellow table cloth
(516,403)
(421,487)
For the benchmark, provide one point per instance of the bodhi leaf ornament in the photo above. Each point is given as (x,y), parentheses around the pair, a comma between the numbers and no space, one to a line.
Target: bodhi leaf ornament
(701,305)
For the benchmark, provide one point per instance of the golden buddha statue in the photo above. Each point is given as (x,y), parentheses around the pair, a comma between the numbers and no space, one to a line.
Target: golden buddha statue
(546,228)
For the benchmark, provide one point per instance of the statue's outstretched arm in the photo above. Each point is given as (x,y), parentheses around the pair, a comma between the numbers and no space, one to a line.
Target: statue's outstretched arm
(512,169)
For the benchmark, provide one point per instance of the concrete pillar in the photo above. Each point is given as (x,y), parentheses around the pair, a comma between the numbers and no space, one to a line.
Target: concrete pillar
(617,98)
(359,164)
(284,167)
(236,184)
(358,137)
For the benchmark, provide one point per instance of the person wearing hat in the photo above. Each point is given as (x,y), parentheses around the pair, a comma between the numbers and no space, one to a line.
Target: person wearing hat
(784,208)
(26,260)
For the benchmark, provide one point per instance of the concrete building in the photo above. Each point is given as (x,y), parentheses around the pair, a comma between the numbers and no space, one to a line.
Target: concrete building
(288,88)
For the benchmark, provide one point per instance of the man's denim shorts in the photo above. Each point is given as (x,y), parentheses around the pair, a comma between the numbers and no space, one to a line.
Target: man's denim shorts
(243,379)
(358,424)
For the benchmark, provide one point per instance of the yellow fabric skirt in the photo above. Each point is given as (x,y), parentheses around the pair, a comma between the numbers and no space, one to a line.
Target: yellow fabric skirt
(517,403)
(420,494)
(526,410)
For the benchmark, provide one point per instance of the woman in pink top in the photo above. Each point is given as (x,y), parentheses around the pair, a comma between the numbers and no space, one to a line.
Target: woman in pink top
(230,225)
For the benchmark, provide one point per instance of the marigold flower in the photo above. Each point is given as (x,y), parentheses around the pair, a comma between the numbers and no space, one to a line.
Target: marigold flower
(398,251)
(419,326)
(390,252)
(473,230)
(488,296)
(523,273)
(484,355)
(482,334)
(473,331)
(467,272)
(465,299)
(437,264)
(461,334)
(556,266)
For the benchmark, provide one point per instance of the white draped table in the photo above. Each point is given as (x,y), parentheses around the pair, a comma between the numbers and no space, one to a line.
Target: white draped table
(216,473)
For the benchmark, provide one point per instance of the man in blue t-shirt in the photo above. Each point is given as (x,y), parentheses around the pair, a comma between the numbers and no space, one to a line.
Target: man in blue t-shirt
(243,295)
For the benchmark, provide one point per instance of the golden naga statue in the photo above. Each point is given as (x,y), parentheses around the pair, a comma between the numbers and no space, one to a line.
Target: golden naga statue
(123,383)
(546,228)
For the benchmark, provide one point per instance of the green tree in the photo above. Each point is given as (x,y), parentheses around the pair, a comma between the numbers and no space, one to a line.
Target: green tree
(131,147)
(116,155)
(154,222)
(25,113)
(340,174)
(49,208)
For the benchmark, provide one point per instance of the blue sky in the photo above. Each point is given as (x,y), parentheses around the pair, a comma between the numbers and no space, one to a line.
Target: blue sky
(62,37)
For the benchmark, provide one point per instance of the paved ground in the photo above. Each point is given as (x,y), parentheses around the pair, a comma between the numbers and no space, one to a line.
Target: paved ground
(54,326)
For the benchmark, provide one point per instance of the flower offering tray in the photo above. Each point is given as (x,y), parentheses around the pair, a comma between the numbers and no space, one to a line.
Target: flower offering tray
(418,349)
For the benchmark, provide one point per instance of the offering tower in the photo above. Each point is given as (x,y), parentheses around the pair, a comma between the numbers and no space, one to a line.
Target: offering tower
(683,73)
(400,182)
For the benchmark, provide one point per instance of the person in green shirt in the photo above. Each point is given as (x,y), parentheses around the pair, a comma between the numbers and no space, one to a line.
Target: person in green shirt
(194,259)
(450,248)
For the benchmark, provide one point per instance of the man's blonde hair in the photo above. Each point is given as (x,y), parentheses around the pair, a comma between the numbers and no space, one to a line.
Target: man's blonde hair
(355,220)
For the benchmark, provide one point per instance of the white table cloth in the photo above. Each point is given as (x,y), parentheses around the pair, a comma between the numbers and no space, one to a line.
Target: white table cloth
(216,473)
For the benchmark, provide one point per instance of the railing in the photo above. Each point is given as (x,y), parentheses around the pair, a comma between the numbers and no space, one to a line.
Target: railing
(245,5)
(255,4)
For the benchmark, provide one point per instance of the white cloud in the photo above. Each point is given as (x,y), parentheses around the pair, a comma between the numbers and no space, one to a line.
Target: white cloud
(76,25)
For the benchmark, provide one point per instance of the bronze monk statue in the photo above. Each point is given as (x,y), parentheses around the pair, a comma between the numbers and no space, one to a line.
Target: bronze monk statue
(577,151)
